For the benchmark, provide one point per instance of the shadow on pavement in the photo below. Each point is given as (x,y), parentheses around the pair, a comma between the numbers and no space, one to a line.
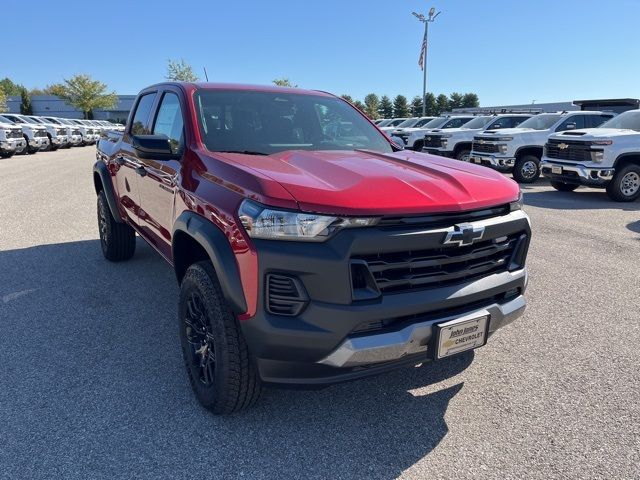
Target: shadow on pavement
(92,385)
(577,200)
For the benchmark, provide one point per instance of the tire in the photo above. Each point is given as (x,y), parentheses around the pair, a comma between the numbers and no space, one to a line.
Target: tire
(7,154)
(526,169)
(463,155)
(625,186)
(563,187)
(417,146)
(221,371)
(118,240)
(29,149)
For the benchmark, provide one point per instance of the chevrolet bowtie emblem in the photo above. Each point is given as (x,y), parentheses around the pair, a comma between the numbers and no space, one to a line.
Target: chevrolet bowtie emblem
(464,234)
(562,146)
(428,139)
(481,142)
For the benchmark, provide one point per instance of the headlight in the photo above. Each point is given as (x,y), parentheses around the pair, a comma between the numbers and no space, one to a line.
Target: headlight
(503,148)
(518,204)
(260,221)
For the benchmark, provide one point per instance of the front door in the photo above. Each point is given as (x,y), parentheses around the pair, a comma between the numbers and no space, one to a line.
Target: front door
(158,185)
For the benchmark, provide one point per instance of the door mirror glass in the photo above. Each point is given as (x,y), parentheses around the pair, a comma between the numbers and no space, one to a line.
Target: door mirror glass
(570,126)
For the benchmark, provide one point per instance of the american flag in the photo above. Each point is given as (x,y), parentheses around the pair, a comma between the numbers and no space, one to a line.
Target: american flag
(423,53)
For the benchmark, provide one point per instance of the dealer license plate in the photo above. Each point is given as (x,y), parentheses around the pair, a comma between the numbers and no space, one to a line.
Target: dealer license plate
(461,335)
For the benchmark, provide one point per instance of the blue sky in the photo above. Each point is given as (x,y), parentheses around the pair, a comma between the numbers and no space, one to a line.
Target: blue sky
(505,51)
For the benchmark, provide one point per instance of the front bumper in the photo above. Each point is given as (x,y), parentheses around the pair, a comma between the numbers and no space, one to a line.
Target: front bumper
(75,139)
(60,140)
(13,145)
(338,337)
(502,164)
(576,174)
(438,151)
(39,142)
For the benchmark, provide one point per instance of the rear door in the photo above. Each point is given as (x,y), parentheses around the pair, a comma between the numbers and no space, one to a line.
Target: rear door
(158,185)
(126,163)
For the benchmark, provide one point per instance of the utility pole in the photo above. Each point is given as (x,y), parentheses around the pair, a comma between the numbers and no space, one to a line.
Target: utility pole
(423,52)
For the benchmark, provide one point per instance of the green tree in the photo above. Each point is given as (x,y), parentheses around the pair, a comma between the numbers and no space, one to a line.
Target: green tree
(371,103)
(346,97)
(416,106)
(385,108)
(87,94)
(470,100)
(401,107)
(54,89)
(180,71)
(3,101)
(25,102)
(9,87)
(283,82)
(455,101)
(431,104)
(443,103)
(359,105)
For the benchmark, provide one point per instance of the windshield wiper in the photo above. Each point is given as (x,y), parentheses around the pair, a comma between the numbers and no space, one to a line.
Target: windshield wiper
(245,152)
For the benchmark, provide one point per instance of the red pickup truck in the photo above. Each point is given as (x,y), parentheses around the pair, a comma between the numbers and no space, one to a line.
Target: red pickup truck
(309,247)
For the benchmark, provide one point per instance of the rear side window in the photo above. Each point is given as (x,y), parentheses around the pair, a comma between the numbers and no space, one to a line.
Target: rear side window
(140,122)
(594,121)
(169,122)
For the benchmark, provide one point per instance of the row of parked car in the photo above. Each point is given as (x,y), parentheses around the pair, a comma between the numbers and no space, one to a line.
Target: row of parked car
(30,133)
(571,148)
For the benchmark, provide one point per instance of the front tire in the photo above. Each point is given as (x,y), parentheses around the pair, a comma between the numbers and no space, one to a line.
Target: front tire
(7,154)
(118,240)
(526,169)
(563,187)
(463,155)
(625,186)
(418,145)
(219,366)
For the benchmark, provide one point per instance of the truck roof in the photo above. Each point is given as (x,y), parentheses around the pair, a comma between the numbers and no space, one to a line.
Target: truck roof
(243,87)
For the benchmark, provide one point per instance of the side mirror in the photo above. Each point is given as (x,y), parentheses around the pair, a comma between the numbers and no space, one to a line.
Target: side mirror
(570,126)
(153,147)
(397,143)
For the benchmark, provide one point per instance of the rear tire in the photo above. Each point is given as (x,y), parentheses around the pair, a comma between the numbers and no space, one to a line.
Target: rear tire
(625,186)
(563,187)
(526,169)
(118,240)
(221,371)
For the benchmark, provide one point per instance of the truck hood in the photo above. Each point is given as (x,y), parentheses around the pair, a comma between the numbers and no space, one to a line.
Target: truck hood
(595,133)
(501,132)
(363,182)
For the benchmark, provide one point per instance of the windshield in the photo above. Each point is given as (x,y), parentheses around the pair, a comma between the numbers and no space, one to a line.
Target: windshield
(36,120)
(423,122)
(29,120)
(6,120)
(435,123)
(478,122)
(408,123)
(270,122)
(396,122)
(384,123)
(628,120)
(544,121)
(456,122)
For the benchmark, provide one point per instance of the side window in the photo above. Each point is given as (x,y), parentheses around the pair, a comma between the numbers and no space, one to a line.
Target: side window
(169,122)
(595,121)
(572,123)
(141,115)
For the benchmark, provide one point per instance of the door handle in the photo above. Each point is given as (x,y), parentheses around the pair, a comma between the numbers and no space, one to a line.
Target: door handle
(141,171)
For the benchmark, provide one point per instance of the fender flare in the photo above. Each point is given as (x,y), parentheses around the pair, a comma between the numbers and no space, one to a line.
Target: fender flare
(526,147)
(101,170)
(623,156)
(216,244)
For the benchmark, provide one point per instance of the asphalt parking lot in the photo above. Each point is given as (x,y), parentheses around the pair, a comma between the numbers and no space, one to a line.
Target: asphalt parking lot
(92,383)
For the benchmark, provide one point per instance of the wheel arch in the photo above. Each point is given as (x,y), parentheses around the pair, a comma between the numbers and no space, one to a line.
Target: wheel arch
(102,182)
(530,150)
(195,239)
(461,146)
(626,159)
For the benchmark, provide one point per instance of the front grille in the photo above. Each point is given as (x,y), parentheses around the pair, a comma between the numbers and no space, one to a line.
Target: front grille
(17,133)
(484,147)
(403,271)
(573,150)
(40,133)
(439,220)
(75,131)
(62,131)
(433,141)
(285,295)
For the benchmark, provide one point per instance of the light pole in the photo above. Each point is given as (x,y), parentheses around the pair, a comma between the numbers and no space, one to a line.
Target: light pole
(423,53)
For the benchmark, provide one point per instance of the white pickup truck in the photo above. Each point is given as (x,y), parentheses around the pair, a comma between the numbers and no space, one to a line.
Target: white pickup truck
(414,137)
(11,139)
(456,142)
(606,157)
(519,150)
